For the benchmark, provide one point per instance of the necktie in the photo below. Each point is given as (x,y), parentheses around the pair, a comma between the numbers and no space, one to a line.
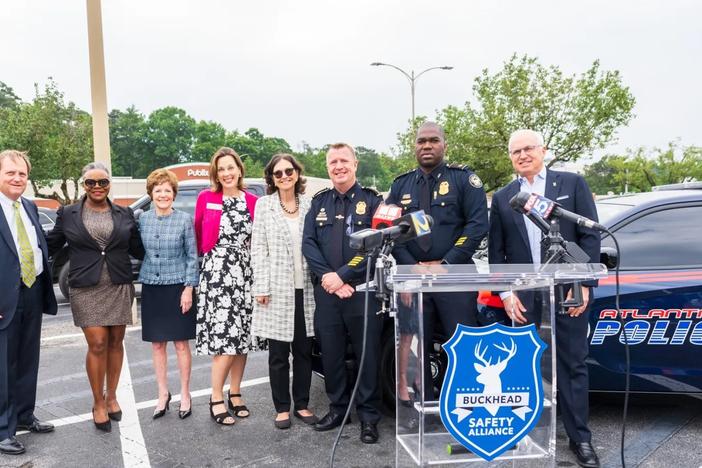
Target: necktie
(337,240)
(425,187)
(26,254)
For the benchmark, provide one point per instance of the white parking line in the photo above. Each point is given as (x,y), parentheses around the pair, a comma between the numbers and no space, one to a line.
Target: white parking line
(134,451)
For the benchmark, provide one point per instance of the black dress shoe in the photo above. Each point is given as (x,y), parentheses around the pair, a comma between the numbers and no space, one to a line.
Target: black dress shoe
(36,426)
(11,446)
(585,453)
(330,421)
(369,432)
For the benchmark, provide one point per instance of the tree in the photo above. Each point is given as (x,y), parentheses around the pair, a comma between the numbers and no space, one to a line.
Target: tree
(8,98)
(127,141)
(256,146)
(209,137)
(169,138)
(576,115)
(58,137)
(640,169)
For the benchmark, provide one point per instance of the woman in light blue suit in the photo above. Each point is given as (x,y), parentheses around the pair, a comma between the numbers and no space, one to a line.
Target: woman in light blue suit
(168,275)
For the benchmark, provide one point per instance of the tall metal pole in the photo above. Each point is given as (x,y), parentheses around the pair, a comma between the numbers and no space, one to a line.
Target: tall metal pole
(98,87)
(412,78)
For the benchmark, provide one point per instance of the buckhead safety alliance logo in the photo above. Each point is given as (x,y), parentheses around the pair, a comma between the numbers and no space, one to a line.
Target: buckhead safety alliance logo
(492,395)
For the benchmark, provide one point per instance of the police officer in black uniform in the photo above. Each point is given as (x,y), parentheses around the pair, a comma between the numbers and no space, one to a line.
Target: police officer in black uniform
(336,271)
(455,198)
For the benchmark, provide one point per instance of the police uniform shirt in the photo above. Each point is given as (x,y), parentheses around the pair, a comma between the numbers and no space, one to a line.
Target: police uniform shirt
(319,246)
(458,206)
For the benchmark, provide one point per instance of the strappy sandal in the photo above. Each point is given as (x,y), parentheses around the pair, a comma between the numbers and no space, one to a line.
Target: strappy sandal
(238,409)
(220,418)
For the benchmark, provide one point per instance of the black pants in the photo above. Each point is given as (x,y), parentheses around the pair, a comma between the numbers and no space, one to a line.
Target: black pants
(19,360)
(334,319)
(449,309)
(279,364)
(571,368)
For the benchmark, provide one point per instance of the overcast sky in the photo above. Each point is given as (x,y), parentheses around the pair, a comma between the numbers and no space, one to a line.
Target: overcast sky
(300,70)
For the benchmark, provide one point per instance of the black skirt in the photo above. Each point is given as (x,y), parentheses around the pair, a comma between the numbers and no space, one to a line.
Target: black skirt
(161,317)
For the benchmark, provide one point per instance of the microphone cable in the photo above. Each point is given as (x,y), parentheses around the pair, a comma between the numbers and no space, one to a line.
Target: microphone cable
(627,355)
(360,366)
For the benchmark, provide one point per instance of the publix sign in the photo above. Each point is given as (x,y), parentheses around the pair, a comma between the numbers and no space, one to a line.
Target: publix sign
(191,171)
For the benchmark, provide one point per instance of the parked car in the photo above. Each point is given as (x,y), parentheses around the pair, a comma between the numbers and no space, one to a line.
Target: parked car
(185,201)
(47,218)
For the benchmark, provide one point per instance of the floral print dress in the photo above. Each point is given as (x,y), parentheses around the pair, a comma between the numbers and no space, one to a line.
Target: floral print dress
(225,300)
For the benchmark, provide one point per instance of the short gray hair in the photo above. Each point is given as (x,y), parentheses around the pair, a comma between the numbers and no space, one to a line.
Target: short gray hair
(525,131)
(94,165)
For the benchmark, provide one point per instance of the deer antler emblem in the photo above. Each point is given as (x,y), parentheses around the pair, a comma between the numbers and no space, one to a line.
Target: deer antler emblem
(489,374)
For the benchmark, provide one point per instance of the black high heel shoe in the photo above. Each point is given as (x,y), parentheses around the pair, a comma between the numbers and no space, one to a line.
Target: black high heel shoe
(115,416)
(103,426)
(160,412)
(182,414)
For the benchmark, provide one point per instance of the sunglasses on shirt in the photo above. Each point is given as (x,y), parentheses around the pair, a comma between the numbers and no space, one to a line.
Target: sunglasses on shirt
(288,172)
(91,183)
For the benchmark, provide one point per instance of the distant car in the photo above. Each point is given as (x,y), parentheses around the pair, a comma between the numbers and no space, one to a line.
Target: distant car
(185,201)
(47,218)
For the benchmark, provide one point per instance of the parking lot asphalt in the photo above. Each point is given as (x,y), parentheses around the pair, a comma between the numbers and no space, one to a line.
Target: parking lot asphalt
(663,431)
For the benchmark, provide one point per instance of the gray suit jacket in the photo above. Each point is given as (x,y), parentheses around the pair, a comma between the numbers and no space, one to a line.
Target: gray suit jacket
(272,261)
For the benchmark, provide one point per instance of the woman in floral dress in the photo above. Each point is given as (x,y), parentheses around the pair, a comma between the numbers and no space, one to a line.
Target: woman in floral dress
(223,222)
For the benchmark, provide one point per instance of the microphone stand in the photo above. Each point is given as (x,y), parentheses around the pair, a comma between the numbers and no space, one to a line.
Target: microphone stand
(560,251)
(383,265)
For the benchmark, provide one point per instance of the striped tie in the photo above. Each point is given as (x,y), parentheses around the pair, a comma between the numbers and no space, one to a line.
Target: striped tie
(26,253)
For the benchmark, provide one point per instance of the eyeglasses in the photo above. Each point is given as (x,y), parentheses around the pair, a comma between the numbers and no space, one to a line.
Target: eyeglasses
(91,183)
(288,172)
(527,149)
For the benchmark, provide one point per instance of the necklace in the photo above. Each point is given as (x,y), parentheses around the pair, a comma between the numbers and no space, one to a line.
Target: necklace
(297,205)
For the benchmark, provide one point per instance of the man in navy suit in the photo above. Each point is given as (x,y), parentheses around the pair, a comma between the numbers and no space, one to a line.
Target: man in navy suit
(26,291)
(515,239)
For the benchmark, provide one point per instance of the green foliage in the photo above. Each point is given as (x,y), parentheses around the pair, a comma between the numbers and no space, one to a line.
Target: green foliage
(8,98)
(576,115)
(640,170)
(127,141)
(58,137)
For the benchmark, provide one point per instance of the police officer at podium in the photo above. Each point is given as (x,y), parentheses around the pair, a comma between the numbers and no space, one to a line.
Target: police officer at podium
(454,196)
(336,271)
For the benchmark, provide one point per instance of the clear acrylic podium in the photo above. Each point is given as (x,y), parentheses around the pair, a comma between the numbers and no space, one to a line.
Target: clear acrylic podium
(421,438)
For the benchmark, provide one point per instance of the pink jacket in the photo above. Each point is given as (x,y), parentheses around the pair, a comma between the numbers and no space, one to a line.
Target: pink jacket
(208,213)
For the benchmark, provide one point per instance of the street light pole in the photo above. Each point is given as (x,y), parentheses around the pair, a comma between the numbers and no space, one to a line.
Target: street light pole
(412,78)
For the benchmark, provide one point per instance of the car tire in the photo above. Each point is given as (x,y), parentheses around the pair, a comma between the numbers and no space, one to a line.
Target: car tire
(63,280)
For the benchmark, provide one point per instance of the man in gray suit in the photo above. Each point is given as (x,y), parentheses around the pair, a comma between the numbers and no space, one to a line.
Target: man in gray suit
(25,292)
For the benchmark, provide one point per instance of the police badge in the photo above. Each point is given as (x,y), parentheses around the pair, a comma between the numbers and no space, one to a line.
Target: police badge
(492,395)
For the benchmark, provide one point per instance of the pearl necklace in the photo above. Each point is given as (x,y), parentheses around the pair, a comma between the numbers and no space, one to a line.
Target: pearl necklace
(297,205)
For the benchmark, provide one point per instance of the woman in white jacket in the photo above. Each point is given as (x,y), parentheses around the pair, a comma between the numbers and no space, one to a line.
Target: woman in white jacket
(284,308)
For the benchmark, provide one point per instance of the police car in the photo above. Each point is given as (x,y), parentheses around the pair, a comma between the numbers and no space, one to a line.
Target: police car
(661,292)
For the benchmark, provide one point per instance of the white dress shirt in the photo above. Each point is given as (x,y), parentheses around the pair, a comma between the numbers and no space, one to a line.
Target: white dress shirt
(533,231)
(9,211)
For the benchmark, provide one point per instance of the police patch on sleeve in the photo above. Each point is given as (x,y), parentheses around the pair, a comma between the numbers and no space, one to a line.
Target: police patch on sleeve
(475,181)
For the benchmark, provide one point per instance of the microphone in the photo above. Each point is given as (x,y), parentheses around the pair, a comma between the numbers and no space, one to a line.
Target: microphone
(404,228)
(541,207)
(385,215)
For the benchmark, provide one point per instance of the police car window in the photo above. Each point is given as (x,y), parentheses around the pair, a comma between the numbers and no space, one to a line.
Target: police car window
(662,239)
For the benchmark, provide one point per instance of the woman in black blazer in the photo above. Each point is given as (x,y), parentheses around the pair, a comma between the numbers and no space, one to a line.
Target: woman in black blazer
(100,238)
